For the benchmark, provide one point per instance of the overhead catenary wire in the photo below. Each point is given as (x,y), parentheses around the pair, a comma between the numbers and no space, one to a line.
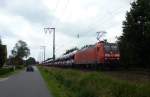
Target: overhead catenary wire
(102,24)
(104,21)
(55,9)
(97,24)
(63,9)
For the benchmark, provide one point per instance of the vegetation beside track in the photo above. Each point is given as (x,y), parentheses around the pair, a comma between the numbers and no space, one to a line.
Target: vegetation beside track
(75,83)
(5,72)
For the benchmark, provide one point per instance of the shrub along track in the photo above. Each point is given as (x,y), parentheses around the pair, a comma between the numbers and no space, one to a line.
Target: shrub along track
(5,72)
(75,83)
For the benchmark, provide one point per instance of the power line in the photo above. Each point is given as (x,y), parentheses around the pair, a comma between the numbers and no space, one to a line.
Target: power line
(62,13)
(56,7)
(65,8)
(104,21)
(46,29)
(114,14)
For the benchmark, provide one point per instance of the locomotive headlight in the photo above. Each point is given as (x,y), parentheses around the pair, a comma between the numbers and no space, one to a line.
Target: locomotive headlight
(107,55)
(117,55)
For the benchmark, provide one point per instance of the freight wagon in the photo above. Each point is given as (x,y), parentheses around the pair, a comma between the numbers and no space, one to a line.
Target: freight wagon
(97,55)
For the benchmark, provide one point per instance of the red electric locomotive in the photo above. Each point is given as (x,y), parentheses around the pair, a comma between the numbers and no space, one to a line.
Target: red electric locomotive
(100,53)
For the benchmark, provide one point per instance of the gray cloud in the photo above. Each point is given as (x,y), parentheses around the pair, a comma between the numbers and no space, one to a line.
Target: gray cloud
(25,19)
(5,32)
(103,21)
(32,10)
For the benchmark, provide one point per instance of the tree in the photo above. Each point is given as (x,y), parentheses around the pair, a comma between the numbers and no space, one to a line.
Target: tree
(86,46)
(70,50)
(0,41)
(30,61)
(135,40)
(3,54)
(20,51)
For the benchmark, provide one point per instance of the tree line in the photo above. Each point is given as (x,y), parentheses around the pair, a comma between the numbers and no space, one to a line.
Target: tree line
(18,57)
(135,41)
(3,54)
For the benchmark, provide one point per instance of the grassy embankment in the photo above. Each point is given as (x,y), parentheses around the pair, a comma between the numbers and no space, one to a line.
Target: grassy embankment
(75,83)
(4,72)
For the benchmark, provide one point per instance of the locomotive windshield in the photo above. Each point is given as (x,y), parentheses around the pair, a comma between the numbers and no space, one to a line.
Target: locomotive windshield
(111,47)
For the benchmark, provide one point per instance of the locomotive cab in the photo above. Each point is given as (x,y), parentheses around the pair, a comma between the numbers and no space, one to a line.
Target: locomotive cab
(100,52)
(112,54)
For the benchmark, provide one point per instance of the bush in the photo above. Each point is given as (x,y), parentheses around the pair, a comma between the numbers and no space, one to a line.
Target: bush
(75,83)
(4,71)
(20,66)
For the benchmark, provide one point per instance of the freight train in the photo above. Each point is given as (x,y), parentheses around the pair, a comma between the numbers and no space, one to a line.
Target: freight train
(100,54)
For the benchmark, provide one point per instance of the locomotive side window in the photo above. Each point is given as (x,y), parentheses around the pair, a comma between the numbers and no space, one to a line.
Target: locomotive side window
(107,48)
(111,47)
(114,48)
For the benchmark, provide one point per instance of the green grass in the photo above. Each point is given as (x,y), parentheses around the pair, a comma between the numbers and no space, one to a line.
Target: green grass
(4,72)
(75,83)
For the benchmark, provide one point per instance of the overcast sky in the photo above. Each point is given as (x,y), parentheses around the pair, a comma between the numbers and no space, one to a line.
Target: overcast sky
(25,20)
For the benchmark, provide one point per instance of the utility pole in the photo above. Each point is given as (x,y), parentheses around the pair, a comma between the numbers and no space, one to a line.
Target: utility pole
(49,30)
(44,48)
